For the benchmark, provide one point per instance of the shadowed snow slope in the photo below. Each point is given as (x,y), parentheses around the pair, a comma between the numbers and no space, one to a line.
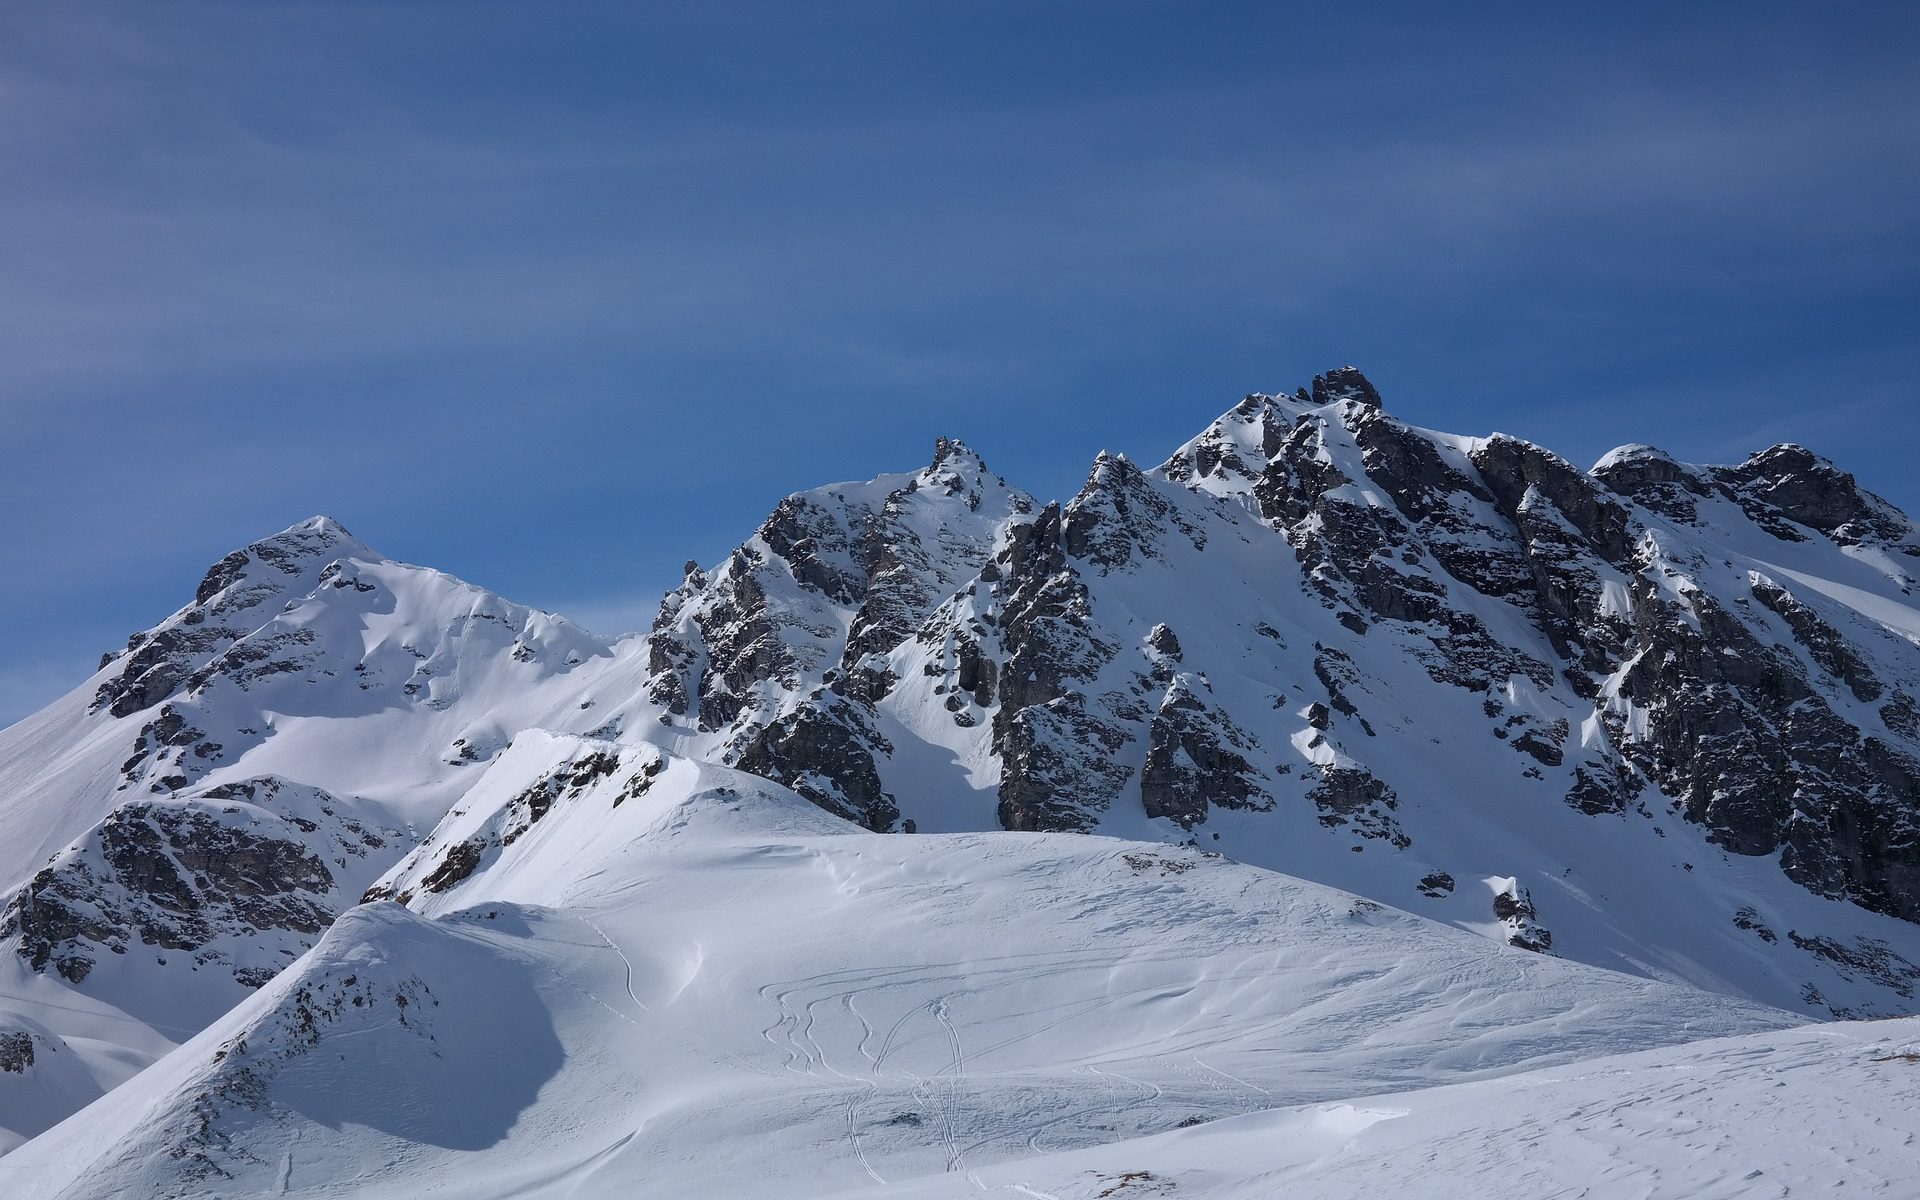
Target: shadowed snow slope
(624,971)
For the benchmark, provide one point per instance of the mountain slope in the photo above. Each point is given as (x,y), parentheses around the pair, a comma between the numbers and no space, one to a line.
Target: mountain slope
(654,972)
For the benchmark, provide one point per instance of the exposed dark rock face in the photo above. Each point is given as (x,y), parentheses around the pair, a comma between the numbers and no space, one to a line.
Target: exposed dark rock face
(1902,716)
(1737,727)
(1343,383)
(153,667)
(1163,643)
(1867,959)
(565,783)
(460,861)
(1513,908)
(976,674)
(626,772)
(1624,665)
(1822,641)
(1574,537)
(1512,469)
(1598,788)
(1655,480)
(238,861)
(1046,629)
(1058,751)
(1743,741)
(824,750)
(237,594)
(1791,483)
(16,1051)
(1195,758)
(1118,515)
(832,578)
(909,572)
(1353,796)
(1059,766)
(167,730)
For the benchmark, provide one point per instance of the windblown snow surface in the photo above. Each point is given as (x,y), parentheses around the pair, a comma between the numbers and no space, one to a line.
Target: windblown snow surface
(1825,1110)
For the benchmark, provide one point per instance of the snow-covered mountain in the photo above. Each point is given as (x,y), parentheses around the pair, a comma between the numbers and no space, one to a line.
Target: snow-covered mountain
(1654,717)
(186,823)
(1651,717)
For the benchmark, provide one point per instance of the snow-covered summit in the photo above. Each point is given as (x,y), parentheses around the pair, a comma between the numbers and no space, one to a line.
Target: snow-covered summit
(234,597)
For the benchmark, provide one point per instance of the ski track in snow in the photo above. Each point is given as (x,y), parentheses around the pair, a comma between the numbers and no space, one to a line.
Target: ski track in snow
(625,962)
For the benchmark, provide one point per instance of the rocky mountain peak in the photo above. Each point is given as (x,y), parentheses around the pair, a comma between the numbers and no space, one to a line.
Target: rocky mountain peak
(1791,481)
(1341,383)
(287,552)
(779,652)
(235,596)
(1633,468)
(1111,469)
(952,452)
(1655,479)
(1118,512)
(956,471)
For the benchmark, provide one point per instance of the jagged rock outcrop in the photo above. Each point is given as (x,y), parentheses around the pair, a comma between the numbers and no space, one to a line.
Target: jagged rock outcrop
(824,749)
(1789,483)
(239,877)
(563,772)
(16,1051)
(1513,908)
(237,595)
(778,651)
(1737,725)
(1197,759)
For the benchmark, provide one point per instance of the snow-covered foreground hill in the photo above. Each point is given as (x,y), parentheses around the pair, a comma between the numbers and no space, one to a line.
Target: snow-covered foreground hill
(651,974)
(1824,1110)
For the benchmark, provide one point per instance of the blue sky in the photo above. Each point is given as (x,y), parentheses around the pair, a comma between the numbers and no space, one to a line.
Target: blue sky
(557,296)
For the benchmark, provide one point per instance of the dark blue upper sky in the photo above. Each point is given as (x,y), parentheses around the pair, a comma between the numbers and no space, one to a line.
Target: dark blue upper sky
(557,296)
